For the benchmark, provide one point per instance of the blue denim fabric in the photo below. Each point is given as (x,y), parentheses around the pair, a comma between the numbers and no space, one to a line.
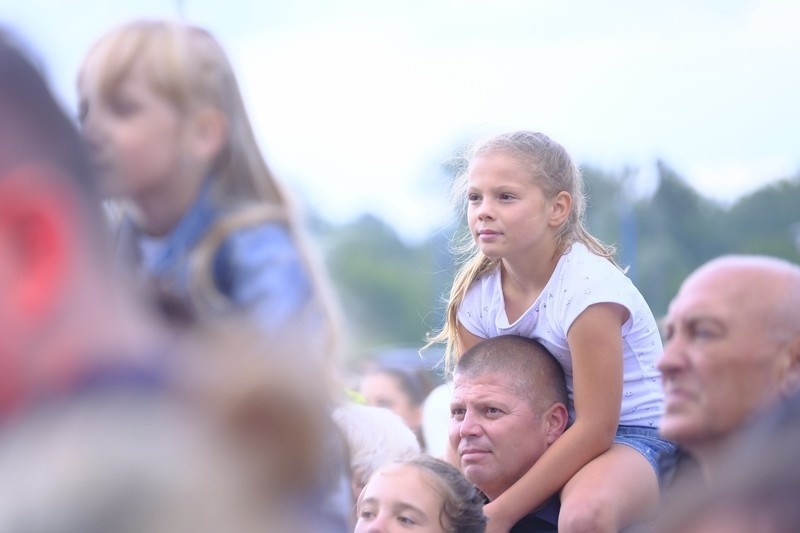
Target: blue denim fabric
(258,268)
(647,441)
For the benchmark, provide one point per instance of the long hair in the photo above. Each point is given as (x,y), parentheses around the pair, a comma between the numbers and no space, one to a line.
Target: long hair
(189,68)
(554,171)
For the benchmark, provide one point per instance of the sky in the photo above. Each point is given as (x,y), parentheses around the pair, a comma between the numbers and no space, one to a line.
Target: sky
(357,104)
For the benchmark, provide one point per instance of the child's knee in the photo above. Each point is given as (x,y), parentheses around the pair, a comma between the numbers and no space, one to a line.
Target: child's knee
(587,515)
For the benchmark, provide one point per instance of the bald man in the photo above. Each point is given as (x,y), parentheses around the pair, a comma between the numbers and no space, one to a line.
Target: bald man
(732,349)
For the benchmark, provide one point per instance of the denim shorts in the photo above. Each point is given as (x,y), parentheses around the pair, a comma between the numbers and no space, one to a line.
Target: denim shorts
(649,443)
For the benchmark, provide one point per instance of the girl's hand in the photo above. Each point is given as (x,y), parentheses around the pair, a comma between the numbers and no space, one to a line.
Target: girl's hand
(496,523)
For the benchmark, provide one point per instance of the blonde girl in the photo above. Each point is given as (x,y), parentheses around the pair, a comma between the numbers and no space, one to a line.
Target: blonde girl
(205,222)
(534,270)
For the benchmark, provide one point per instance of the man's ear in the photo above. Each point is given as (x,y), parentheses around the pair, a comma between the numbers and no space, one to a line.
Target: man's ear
(556,418)
(37,224)
(562,206)
(208,133)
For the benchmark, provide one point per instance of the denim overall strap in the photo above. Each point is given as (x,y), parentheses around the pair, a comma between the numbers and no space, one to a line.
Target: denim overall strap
(189,230)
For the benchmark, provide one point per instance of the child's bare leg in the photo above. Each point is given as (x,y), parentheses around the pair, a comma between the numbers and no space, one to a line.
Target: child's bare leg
(611,492)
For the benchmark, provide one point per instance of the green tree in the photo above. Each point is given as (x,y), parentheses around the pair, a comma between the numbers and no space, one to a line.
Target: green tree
(679,230)
(385,287)
(768,221)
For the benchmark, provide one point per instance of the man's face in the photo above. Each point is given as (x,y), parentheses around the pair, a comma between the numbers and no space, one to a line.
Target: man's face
(721,360)
(496,431)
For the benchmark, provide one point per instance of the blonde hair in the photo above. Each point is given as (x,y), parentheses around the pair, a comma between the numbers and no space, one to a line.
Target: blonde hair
(554,171)
(189,68)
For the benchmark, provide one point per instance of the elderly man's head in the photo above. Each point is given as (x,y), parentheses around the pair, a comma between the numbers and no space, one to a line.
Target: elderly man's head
(733,346)
(508,406)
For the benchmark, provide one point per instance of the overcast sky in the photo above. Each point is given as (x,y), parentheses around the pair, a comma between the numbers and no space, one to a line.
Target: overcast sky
(357,103)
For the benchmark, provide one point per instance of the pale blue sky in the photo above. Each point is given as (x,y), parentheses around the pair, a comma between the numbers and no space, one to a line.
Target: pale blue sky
(357,102)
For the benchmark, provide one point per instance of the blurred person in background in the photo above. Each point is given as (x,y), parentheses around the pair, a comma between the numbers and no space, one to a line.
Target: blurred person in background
(79,357)
(758,483)
(436,420)
(401,389)
(205,223)
(374,436)
(732,349)
(64,318)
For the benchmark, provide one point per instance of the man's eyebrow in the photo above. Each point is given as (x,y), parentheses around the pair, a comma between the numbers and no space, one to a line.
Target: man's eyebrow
(694,318)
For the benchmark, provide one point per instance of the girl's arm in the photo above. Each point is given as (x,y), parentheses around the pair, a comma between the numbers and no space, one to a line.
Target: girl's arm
(595,341)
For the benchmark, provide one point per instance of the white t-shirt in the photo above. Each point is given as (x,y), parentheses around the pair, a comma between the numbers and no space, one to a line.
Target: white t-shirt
(581,279)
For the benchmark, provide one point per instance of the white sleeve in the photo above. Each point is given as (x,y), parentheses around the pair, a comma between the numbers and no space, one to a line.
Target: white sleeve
(598,289)
(469,312)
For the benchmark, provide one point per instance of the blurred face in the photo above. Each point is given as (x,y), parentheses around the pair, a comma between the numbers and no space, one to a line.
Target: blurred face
(720,363)
(497,434)
(384,390)
(400,498)
(506,211)
(134,134)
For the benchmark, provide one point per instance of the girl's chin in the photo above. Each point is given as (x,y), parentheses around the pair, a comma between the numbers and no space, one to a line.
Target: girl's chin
(490,251)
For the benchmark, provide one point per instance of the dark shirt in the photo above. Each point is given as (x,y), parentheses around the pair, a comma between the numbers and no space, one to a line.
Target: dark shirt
(544,520)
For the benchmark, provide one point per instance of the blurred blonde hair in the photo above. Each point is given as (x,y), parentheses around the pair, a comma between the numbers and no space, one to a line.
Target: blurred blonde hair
(554,171)
(189,68)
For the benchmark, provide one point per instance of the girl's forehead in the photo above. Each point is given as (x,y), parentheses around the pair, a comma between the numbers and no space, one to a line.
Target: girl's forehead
(391,473)
(105,69)
(500,165)
(421,479)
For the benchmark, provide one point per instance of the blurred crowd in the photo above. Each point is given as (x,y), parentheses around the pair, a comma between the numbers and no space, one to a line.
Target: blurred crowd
(170,349)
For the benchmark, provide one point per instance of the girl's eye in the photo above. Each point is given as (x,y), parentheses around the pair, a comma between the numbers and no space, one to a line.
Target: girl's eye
(123,107)
(406,520)
(506,196)
(473,197)
(366,514)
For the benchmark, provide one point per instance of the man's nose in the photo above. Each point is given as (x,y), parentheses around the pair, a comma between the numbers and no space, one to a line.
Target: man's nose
(672,359)
(469,425)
